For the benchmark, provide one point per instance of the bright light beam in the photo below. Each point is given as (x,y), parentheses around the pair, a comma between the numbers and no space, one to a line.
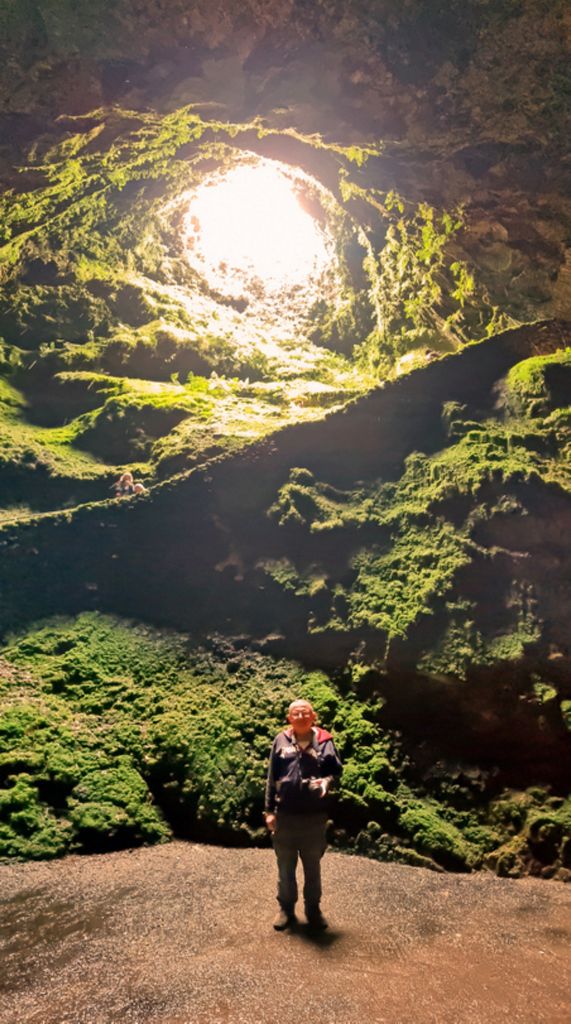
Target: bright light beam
(248,224)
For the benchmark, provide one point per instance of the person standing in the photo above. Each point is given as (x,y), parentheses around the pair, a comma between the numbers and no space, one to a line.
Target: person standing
(303,765)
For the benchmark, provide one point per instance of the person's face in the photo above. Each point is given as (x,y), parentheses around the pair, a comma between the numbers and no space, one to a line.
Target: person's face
(301,716)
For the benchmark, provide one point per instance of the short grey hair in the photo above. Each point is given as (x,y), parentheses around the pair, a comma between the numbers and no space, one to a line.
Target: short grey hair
(300,700)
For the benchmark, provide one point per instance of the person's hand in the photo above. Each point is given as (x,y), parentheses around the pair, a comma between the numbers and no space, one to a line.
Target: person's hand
(271,823)
(321,784)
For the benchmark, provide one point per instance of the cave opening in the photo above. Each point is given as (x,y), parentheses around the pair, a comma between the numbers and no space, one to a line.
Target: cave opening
(249,221)
(259,234)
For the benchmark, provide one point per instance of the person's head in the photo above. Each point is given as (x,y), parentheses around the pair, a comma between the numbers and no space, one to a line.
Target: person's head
(301,717)
(126,478)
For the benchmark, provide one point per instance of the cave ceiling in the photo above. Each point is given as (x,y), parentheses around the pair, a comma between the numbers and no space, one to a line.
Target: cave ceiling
(468,103)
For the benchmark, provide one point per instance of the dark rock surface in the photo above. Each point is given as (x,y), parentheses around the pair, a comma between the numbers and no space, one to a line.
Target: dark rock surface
(181,934)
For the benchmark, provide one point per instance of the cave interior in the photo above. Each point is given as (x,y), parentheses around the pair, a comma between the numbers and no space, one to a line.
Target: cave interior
(304,271)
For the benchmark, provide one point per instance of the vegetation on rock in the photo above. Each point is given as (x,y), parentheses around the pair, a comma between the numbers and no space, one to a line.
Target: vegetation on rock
(120,349)
(113,734)
(388,583)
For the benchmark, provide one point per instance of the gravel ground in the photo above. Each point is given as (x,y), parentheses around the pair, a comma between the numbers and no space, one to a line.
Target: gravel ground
(181,934)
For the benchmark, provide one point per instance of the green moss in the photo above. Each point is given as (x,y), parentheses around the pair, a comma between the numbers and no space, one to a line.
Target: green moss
(305,501)
(438,838)
(459,645)
(540,830)
(414,553)
(528,386)
(393,589)
(114,806)
(565,706)
(486,451)
(344,326)
(27,448)
(130,419)
(305,584)
(29,829)
(422,295)
(11,400)
(99,714)
(172,424)
(114,734)
(115,295)
(509,861)
(463,645)
(548,831)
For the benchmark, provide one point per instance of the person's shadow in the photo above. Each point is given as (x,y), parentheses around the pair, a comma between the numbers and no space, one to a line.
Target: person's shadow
(322,939)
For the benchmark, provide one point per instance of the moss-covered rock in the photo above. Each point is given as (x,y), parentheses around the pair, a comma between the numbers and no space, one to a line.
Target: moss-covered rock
(113,734)
(430,524)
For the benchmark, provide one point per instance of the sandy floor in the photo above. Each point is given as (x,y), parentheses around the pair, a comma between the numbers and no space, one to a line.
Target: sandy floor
(181,934)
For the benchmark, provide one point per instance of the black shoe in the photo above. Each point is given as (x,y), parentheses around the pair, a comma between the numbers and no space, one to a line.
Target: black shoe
(283,919)
(316,921)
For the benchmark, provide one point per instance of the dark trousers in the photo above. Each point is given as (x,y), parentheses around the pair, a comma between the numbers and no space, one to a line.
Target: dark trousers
(303,836)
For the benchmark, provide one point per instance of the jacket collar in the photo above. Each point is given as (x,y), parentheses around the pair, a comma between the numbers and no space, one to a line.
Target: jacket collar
(318,735)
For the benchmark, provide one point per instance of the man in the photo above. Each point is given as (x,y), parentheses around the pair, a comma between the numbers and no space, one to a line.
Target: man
(303,765)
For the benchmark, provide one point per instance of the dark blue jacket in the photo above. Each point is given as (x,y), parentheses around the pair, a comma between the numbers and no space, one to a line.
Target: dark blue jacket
(291,769)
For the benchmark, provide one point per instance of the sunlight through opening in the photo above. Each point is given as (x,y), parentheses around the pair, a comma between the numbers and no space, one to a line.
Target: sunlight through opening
(246,227)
